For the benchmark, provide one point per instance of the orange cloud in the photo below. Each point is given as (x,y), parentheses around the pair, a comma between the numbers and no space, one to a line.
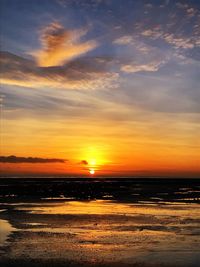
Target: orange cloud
(60,45)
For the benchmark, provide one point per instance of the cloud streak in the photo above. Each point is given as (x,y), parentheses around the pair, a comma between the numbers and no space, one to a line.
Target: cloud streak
(60,45)
(132,67)
(81,74)
(15,159)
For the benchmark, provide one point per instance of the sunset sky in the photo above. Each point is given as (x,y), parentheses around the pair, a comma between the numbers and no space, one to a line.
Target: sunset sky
(100,87)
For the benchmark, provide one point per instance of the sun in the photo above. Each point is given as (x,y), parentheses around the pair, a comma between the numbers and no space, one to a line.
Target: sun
(92,171)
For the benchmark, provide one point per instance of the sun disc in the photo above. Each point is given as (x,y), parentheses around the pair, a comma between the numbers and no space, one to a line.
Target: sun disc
(92,171)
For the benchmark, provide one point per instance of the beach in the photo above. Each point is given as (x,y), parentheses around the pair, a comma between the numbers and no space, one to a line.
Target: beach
(64,231)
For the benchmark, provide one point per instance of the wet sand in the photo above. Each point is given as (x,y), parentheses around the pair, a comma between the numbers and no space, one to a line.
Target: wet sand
(101,232)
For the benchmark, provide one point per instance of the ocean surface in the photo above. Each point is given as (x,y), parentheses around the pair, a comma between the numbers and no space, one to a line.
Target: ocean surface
(99,222)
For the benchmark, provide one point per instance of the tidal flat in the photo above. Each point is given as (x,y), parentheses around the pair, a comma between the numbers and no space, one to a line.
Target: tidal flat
(107,231)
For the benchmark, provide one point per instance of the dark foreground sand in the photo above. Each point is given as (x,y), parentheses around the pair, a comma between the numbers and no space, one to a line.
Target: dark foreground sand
(63,263)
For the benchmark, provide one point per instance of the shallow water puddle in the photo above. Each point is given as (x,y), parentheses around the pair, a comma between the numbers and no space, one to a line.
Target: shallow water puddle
(5,230)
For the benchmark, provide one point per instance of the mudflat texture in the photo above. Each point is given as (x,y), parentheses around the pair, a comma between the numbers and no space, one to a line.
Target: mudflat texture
(49,222)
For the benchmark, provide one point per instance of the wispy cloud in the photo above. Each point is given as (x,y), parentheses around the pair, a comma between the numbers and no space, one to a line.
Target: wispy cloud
(81,74)
(124,40)
(170,38)
(175,30)
(133,67)
(60,45)
(15,159)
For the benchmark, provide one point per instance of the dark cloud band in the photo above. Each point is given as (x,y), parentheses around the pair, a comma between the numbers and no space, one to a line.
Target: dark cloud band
(14,159)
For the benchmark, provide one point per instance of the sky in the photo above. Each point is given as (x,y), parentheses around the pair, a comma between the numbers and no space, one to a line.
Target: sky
(100,87)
